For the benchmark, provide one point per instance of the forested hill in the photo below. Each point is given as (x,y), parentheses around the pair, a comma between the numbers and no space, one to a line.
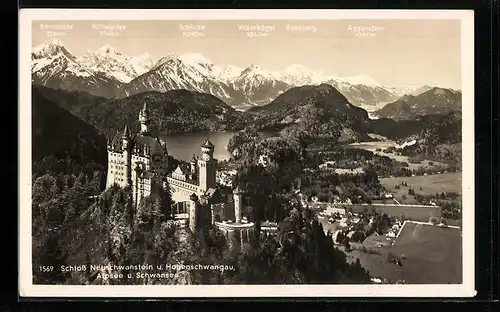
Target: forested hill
(56,133)
(77,102)
(171,112)
(320,111)
(432,102)
(442,128)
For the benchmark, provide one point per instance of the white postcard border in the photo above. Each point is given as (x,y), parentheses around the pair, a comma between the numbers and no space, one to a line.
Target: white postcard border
(26,287)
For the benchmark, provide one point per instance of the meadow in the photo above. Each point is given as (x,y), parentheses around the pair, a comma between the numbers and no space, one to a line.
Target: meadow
(429,255)
(423,185)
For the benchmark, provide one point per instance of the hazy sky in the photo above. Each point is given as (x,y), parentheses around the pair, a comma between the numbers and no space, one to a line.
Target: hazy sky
(393,52)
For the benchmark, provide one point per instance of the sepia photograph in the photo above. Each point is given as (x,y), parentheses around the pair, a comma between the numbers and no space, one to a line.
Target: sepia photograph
(327,153)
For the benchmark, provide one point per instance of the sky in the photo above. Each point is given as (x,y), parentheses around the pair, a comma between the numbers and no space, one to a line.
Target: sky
(392,52)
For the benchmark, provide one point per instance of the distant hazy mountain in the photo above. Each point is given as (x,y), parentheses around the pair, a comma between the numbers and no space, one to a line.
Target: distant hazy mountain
(113,74)
(363,95)
(435,101)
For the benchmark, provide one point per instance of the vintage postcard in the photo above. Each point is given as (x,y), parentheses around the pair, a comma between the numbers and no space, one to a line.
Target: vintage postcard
(246,153)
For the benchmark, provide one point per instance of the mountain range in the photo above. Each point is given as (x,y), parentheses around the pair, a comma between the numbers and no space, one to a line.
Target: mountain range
(432,101)
(110,73)
(324,116)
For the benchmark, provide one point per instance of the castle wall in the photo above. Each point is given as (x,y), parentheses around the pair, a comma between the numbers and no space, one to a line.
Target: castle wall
(117,172)
(140,159)
(237,207)
(207,173)
(141,188)
(159,163)
(222,212)
(180,196)
(181,190)
(237,234)
(193,217)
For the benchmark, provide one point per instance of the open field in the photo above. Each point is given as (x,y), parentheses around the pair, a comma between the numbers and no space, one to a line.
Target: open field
(424,185)
(432,255)
(430,184)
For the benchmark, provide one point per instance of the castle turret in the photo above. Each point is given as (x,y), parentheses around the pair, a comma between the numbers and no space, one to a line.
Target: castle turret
(193,163)
(144,119)
(207,167)
(126,156)
(207,150)
(193,213)
(238,203)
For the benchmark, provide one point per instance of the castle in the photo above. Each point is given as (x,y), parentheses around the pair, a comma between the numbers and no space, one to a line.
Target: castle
(137,161)
(140,161)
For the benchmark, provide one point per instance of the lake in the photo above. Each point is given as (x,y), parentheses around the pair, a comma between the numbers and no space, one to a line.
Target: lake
(184,145)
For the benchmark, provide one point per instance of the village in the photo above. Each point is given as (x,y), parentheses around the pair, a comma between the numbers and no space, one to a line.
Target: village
(397,242)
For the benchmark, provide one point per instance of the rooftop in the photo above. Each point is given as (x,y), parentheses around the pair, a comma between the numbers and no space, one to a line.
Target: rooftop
(137,142)
(207,144)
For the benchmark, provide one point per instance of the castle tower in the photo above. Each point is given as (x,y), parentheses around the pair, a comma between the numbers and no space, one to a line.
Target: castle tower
(110,180)
(126,138)
(193,213)
(193,163)
(207,167)
(238,203)
(144,119)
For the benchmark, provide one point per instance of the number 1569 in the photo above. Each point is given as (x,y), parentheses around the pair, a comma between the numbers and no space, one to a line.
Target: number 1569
(46,268)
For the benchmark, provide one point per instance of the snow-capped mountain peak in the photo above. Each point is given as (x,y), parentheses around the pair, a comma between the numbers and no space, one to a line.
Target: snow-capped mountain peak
(362,80)
(53,57)
(51,49)
(142,63)
(227,73)
(48,44)
(257,70)
(194,58)
(107,49)
(297,67)
(116,64)
(165,59)
(299,75)
(253,85)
